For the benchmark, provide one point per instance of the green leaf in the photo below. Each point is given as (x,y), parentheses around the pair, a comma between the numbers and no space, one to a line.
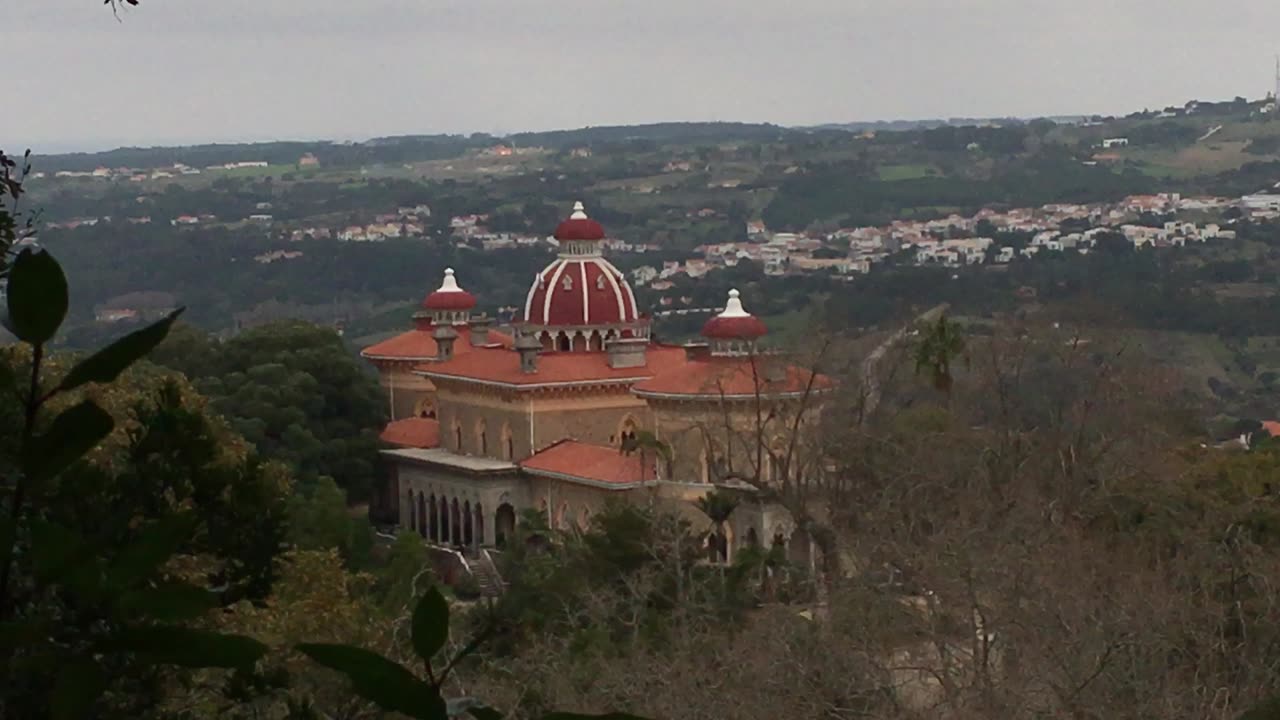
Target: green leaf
(485,713)
(106,365)
(388,684)
(430,624)
(188,647)
(79,685)
(171,601)
(7,536)
(56,551)
(19,633)
(71,436)
(157,543)
(37,296)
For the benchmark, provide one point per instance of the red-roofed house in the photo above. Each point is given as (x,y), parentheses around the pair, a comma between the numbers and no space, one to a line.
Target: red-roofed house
(577,405)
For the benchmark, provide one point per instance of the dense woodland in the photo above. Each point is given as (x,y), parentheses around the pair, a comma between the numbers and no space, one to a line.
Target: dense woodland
(1026,523)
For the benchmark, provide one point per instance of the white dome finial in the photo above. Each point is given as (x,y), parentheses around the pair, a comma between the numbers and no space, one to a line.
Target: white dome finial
(579,212)
(734,308)
(449,284)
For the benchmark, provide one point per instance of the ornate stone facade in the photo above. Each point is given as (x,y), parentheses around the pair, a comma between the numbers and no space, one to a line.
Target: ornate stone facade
(575,406)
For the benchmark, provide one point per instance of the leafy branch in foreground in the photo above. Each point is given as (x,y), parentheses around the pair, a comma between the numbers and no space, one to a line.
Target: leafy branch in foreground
(138,611)
(395,688)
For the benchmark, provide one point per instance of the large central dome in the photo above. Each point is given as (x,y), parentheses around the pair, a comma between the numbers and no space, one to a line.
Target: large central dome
(581,293)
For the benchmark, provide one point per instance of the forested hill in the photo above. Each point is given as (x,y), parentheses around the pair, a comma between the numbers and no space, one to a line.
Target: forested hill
(404,148)
(380,150)
(671,132)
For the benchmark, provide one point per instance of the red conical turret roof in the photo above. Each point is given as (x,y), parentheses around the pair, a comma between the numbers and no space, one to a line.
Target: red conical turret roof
(734,323)
(579,227)
(449,296)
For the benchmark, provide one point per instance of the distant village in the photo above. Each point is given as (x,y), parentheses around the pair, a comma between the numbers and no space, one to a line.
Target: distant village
(952,241)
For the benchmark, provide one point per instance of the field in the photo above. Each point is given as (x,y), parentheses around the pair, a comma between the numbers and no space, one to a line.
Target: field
(1210,157)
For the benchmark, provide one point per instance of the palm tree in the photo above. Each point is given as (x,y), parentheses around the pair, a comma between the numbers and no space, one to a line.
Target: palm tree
(718,506)
(645,442)
(939,347)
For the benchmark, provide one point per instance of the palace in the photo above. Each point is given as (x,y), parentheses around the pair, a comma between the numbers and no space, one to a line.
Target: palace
(575,404)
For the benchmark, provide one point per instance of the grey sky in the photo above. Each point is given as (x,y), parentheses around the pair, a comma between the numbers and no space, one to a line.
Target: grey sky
(209,70)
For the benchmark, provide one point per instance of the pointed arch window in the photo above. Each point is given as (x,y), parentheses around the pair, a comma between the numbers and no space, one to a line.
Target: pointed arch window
(508,443)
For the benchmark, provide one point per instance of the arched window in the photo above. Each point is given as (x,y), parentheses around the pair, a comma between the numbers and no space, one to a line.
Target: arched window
(457,436)
(425,408)
(562,342)
(627,433)
(508,443)
(482,437)
(599,282)
(413,513)
(567,282)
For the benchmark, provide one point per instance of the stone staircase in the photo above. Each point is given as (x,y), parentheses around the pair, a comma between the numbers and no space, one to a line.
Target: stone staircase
(486,574)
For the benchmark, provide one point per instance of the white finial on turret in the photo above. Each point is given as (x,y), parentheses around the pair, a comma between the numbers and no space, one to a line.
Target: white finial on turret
(579,212)
(449,284)
(734,308)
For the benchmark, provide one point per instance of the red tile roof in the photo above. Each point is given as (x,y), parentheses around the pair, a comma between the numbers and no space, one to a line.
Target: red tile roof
(419,345)
(733,377)
(1272,427)
(554,368)
(596,465)
(412,433)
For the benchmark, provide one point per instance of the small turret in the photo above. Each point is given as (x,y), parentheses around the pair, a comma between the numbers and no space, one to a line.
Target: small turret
(528,346)
(734,331)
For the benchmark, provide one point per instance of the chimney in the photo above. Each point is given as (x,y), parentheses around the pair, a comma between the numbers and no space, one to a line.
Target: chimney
(697,351)
(480,330)
(444,336)
(528,346)
(626,352)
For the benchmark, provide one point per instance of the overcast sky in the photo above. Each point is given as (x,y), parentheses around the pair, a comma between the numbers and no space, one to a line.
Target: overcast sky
(182,71)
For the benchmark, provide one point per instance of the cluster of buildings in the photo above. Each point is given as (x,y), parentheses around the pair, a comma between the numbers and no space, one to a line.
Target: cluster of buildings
(307,160)
(959,240)
(574,405)
(124,173)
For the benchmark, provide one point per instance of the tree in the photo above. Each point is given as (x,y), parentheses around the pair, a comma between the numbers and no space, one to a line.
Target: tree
(939,347)
(717,506)
(319,519)
(295,392)
(80,617)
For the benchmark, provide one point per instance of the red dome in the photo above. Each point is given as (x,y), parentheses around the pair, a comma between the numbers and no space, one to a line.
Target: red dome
(735,323)
(449,296)
(580,291)
(579,227)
